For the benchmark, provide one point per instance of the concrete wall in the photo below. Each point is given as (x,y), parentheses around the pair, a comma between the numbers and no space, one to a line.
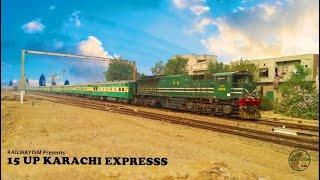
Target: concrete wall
(198,64)
(285,66)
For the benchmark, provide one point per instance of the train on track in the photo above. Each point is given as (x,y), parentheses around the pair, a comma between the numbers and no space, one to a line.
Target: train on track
(231,94)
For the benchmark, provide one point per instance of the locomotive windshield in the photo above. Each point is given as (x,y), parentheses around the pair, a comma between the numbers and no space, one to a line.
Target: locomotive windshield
(239,81)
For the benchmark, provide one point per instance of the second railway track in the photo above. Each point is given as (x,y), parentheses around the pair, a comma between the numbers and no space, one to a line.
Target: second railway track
(293,141)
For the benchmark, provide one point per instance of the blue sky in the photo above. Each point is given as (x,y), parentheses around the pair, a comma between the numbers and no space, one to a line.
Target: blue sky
(149,30)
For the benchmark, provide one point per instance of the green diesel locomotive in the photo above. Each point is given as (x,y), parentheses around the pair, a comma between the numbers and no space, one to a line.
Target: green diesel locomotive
(229,94)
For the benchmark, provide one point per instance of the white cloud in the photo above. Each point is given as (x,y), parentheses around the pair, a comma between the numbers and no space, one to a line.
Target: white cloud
(269,10)
(116,56)
(75,19)
(267,30)
(180,3)
(238,9)
(33,82)
(202,24)
(52,7)
(58,44)
(91,70)
(33,26)
(14,81)
(93,47)
(198,9)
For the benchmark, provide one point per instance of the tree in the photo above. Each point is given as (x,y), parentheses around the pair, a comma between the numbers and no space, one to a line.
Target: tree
(158,68)
(66,82)
(175,66)
(299,96)
(10,83)
(141,75)
(298,78)
(245,65)
(216,67)
(118,70)
(42,80)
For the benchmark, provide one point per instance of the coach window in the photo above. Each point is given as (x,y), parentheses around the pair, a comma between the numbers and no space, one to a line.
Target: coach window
(119,89)
(123,89)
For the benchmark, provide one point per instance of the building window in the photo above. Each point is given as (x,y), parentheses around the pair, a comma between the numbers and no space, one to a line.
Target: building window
(285,70)
(263,72)
(306,66)
(201,60)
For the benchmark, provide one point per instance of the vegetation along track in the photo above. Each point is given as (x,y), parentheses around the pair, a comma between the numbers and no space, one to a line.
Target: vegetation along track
(286,140)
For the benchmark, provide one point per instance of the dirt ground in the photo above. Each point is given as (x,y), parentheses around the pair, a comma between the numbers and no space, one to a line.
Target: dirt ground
(192,153)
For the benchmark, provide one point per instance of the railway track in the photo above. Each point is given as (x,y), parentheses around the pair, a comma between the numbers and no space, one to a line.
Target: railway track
(263,121)
(269,122)
(293,141)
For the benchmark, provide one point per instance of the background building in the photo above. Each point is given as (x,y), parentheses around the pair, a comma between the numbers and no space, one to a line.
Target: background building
(198,64)
(274,71)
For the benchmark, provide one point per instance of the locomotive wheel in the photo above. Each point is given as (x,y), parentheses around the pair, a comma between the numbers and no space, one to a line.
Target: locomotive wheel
(190,106)
(164,102)
(153,102)
(227,109)
(135,101)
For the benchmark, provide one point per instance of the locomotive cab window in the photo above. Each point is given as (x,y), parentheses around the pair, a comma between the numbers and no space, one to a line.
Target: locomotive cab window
(198,77)
(222,79)
(240,80)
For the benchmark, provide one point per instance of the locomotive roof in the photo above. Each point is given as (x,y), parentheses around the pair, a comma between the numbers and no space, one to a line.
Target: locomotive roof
(231,73)
(216,74)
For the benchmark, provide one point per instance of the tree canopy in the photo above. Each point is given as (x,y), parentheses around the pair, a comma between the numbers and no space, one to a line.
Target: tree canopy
(176,66)
(298,78)
(118,70)
(217,67)
(299,96)
(141,75)
(158,68)
(245,65)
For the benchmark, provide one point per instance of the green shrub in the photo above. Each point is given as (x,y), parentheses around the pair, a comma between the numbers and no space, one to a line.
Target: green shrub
(299,103)
(299,96)
(266,104)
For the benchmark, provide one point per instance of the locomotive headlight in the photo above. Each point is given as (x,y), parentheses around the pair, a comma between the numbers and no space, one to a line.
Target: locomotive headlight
(228,94)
